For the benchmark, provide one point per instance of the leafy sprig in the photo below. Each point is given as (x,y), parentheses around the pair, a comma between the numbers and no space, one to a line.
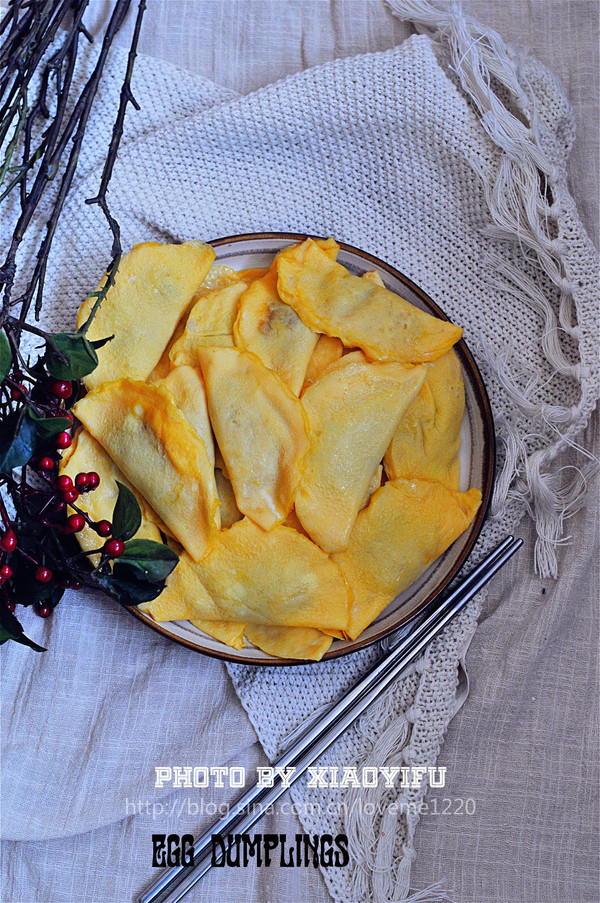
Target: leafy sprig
(41,134)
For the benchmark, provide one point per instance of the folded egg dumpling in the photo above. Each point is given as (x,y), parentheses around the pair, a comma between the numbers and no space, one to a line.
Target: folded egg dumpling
(210,322)
(289,642)
(229,632)
(327,350)
(229,509)
(260,429)
(186,388)
(218,277)
(273,331)
(86,454)
(160,453)
(154,285)
(358,311)
(253,576)
(406,526)
(426,443)
(353,411)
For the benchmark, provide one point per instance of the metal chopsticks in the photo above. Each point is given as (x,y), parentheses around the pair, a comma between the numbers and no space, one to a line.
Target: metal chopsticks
(174,883)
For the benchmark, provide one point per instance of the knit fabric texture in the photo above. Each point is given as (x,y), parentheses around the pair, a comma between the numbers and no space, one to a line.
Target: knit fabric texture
(452,167)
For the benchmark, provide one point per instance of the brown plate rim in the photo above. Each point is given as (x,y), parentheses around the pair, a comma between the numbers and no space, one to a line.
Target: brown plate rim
(489,468)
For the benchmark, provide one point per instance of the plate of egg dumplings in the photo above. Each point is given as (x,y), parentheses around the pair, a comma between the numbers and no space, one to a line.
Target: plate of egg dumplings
(301,424)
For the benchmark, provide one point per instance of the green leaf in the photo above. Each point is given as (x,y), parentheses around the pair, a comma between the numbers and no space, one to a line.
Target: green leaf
(11,629)
(153,560)
(49,426)
(126,588)
(28,590)
(127,515)
(80,354)
(20,443)
(5,356)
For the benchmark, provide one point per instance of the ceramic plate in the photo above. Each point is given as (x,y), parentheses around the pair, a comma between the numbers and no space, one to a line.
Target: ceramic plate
(476,459)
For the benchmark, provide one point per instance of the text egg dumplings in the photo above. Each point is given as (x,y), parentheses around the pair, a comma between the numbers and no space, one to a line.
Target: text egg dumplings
(298,434)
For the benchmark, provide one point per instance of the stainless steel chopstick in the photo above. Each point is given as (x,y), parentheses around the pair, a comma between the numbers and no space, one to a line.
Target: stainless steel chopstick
(175,883)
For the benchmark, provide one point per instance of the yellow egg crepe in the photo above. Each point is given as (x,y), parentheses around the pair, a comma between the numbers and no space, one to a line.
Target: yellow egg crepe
(374,484)
(218,277)
(406,526)
(427,441)
(273,331)
(361,313)
(171,607)
(229,509)
(229,632)
(327,350)
(186,388)
(210,322)
(260,428)
(85,454)
(160,454)
(353,411)
(253,576)
(373,276)
(289,642)
(154,285)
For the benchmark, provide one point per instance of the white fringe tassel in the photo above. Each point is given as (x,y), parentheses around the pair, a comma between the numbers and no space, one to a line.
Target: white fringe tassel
(521,212)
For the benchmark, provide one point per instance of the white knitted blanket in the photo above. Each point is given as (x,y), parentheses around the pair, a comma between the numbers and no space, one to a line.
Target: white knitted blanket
(445,157)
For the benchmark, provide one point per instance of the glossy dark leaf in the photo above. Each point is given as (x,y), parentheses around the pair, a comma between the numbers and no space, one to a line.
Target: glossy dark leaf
(81,356)
(153,560)
(99,343)
(11,629)
(49,426)
(127,515)
(29,590)
(5,355)
(19,445)
(124,586)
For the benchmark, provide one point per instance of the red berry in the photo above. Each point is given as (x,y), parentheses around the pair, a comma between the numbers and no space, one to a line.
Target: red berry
(75,523)
(10,605)
(17,393)
(8,541)
(93,480)
(70,495)
(75,584)
(64,482)
(43,575)
(81,481)
(104,528)
(61,388)
(67,414)
(44,611)
(114,548)
(45,464)
(6,572)
(59,505)
(63,440)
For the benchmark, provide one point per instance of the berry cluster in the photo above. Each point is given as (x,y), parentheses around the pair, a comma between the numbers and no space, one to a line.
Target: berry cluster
(48,503)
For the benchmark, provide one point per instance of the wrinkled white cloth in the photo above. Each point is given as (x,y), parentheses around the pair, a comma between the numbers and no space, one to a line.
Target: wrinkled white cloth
(383,151)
